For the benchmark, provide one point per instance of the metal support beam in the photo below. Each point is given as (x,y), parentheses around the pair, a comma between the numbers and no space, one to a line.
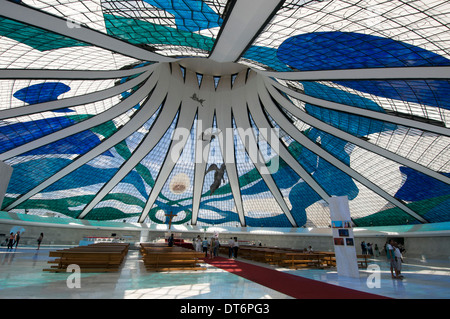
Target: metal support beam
(103,117)
(360,111)
(261,121)
(313,147)
(226,140)
(246,131)
(84,34)
(399,73)
(205,117)
(129,128)
(48,74)
(75,100)
(308,119)
(245,22)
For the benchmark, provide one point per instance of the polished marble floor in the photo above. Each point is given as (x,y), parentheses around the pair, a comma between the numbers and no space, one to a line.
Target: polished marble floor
(21,276)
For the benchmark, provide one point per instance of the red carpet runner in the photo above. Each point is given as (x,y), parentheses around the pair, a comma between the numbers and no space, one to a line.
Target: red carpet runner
(292,285)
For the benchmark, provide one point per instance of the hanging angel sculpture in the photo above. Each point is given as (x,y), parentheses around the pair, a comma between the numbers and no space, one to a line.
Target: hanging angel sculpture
(218,176)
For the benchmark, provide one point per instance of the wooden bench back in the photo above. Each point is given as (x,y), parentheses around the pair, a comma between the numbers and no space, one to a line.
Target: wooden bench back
(98,257)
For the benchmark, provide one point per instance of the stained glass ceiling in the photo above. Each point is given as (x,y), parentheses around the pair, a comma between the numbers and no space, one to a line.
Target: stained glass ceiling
(226,112)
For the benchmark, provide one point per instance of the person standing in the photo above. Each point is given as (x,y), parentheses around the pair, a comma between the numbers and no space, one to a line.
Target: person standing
(205,247)
(39,240)
(235,247)
(10,241)
(216,248)
(198,244)
(170,240)
(376,251)
(370,249)
(398,261)
(230,247)
(17,239)
(391,257)
(212,246)
(363,248)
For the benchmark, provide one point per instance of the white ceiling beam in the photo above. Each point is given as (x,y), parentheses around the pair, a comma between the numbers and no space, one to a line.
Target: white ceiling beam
(245,21)
(62,74)
(180,99)
(360,111)
(226,139)
(148,109)
(314,122)
(205,118)
(98,119)
(153,136)
(289,128)
(185,121)
(245,131)
(395,73)
(156,132)
(261,121)
(75,100)
(46,21)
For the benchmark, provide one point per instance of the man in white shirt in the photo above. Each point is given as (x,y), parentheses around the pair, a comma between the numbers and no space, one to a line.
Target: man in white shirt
(230,247)
(391,256)
(235,247)
(398,261)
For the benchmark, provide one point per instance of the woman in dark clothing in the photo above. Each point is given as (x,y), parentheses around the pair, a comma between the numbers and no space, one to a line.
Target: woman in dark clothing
(11,241)
(39,240)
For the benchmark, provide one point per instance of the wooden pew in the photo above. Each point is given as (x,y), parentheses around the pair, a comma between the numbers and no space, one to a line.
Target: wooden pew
(362,260)
(147,251)
(104,257)
(143,246)
(250,252)
(261,254)
(171,258)
(300,260)
(330,259)
(122,249)
(87,261)
(177,260)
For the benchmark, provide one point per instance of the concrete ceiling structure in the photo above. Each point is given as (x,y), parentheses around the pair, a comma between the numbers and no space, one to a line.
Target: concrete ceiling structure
(227,112)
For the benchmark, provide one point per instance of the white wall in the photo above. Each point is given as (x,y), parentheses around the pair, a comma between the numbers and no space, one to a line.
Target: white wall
(428,245)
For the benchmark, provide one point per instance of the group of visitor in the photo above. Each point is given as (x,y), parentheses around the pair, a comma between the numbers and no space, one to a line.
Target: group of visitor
(14,239)
(370,249)
(210,246)
(308,250)
(393,253)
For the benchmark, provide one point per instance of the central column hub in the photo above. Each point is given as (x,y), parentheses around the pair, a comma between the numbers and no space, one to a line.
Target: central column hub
(210,67)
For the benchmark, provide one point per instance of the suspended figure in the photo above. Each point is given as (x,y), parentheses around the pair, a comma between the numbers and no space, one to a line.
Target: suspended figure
(218,176)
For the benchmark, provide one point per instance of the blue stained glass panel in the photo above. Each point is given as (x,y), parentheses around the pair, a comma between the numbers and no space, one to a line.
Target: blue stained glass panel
(347,50)
(42,92)
(351,123)
(190,15)
(426,92)
(419,186)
